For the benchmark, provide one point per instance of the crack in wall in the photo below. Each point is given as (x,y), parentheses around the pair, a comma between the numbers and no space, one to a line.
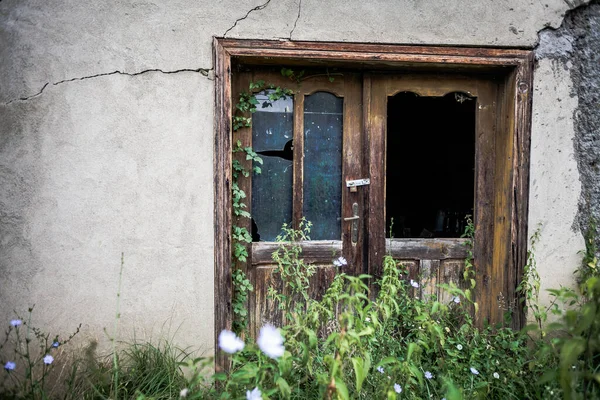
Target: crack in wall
(257,8)
(203,71)
(297,18)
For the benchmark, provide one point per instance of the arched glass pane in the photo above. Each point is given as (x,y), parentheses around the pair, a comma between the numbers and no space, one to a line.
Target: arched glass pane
(323,119)
(272,133)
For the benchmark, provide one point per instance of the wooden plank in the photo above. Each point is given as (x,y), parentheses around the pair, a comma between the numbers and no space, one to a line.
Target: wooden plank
(236,46)
(222,196)
(412,272)
(353,162)
(266,309)
(298,202)
(315,55)
(431,85)
(314,251)
(376,113)
(485,155)
(500,297)
(427,249)
(451,271)
(523,92)
(321,280)
(428,270)
(366,192)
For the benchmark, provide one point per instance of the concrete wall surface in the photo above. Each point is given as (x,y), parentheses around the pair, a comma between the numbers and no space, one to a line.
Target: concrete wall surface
(106,143)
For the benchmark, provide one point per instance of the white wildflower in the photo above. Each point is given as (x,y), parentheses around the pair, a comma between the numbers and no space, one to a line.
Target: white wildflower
(474,371)
(496,375)
(229,342)
(255,394)
(397,388)
(414,284)
(184,392)
(340,262)
(459,346)
(270,341)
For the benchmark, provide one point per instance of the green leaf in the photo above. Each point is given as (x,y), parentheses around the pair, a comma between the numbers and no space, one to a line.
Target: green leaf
(388,360)
(587,317)
(452,392)
(220,376)
(548,376)
(367,331)
(247,372)
(359,372)
(570,351)
(341,389)
(411,348)
(284,388)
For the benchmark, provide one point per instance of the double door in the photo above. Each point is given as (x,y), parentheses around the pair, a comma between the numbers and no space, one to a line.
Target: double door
(379,163)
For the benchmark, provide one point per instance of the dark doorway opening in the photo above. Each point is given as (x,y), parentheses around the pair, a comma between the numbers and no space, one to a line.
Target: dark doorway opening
(430,176)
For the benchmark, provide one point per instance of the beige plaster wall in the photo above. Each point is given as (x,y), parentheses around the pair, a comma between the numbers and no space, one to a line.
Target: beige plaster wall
(106,143)
(554,185)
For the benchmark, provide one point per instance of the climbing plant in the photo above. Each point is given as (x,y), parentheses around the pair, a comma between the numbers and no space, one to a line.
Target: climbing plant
(246,105)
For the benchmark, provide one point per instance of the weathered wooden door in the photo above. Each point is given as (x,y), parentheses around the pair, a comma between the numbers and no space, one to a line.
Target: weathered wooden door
(311,145)
(445,185)
(432,150)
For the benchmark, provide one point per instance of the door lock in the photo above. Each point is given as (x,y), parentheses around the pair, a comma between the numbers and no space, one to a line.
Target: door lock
(354,219)
(357,182)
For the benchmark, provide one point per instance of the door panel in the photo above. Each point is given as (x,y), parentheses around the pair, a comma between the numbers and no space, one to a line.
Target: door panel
(321,162)
(439,260)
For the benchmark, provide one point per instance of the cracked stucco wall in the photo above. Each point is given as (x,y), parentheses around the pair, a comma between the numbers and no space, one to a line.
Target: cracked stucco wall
(565,180)
(106,142)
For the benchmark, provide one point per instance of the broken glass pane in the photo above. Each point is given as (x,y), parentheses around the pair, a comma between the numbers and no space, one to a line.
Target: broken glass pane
(323,118)
(272,133)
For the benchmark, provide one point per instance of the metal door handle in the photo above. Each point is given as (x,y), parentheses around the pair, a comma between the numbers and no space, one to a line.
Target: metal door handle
(354,218)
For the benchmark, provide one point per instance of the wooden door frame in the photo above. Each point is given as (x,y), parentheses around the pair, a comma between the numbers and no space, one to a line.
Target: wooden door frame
(515,65)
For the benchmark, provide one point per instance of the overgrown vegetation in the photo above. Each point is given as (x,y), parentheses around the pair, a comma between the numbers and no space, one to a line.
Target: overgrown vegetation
(28,359)
(143,369)
(345,345)
(398,346)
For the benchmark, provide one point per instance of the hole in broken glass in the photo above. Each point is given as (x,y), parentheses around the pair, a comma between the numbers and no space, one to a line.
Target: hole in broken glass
(287,153)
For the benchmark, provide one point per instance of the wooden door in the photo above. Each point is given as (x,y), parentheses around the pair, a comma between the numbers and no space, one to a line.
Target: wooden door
(311,144)
(337,109)
(433,255)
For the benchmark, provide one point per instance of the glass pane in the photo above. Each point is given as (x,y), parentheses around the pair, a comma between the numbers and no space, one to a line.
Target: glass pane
(323,118)
(272,133)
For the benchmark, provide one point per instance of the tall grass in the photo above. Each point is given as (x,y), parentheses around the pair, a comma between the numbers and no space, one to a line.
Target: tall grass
(151,369)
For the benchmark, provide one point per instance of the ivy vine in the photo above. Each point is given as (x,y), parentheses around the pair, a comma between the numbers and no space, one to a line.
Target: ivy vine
(242,118)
